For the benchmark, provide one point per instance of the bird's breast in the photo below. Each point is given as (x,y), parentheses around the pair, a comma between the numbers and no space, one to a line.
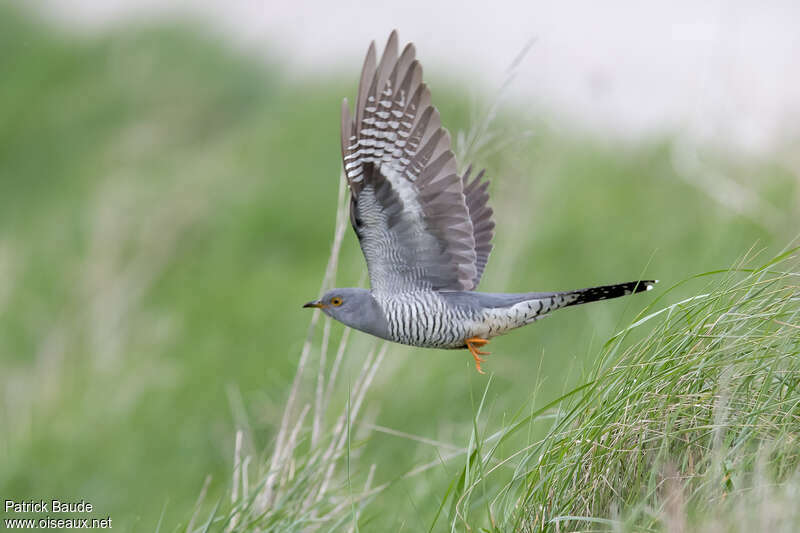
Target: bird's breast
(423,318)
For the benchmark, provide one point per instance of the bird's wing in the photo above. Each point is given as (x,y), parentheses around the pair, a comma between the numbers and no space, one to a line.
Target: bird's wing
(477,197)
(417,220)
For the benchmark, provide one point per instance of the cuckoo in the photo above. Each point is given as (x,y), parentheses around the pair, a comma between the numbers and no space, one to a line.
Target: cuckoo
(424,228)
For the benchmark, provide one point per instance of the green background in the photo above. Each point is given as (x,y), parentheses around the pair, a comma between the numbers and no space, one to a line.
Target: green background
(167,205)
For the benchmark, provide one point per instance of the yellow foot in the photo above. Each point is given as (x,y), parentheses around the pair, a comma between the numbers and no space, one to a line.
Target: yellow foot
(472,345)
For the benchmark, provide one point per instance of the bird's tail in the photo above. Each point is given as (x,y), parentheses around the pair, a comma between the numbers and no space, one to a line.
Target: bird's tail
(606,292)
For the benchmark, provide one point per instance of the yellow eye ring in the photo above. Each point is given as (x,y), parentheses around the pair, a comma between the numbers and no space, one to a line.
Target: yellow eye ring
(336,301)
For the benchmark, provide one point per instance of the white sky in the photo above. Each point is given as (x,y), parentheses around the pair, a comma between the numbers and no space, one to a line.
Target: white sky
(726,72)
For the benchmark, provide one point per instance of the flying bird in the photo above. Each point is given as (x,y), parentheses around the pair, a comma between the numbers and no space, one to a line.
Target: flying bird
(425,230)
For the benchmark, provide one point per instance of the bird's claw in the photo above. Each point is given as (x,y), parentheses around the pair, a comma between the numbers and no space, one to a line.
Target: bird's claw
(476,353)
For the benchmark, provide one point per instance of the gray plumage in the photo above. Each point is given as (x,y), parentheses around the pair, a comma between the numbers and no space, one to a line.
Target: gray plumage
(424,229)
(445,319)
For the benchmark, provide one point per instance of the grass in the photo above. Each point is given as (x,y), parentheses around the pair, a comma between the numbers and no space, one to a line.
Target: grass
(166,206)
(667,428)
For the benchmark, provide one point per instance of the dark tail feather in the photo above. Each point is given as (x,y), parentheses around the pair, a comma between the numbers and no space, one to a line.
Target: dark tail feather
(606,292)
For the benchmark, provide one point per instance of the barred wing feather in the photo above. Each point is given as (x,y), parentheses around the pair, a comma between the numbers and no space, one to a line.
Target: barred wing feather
(477,198)
(420,224)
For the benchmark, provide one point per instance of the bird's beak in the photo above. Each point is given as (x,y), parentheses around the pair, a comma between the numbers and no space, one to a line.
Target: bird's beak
(315,303)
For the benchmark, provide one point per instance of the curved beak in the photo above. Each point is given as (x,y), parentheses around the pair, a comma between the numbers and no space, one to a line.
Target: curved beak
(315,303)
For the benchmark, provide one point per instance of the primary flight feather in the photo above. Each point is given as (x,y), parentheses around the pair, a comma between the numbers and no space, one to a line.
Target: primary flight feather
(425,230)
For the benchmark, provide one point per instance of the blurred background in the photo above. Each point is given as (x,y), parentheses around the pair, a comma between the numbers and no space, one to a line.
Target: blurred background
(168,181)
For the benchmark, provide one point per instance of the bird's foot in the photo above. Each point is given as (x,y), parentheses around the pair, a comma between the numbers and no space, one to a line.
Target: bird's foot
(472,345)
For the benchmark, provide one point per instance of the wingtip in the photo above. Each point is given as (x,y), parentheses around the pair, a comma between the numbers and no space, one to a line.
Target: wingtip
(390,50)
(371,56)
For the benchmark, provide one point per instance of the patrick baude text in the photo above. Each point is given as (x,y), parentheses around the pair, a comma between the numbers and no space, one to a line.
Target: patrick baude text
(51,506)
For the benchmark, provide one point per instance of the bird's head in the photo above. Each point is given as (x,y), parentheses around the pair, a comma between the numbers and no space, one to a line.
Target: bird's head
(355,308)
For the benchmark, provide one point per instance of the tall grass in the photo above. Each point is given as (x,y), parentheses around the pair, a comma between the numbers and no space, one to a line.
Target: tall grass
(307,483)
(703,407)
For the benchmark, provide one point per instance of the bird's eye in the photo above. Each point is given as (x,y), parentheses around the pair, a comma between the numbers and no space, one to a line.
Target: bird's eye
(336,301)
